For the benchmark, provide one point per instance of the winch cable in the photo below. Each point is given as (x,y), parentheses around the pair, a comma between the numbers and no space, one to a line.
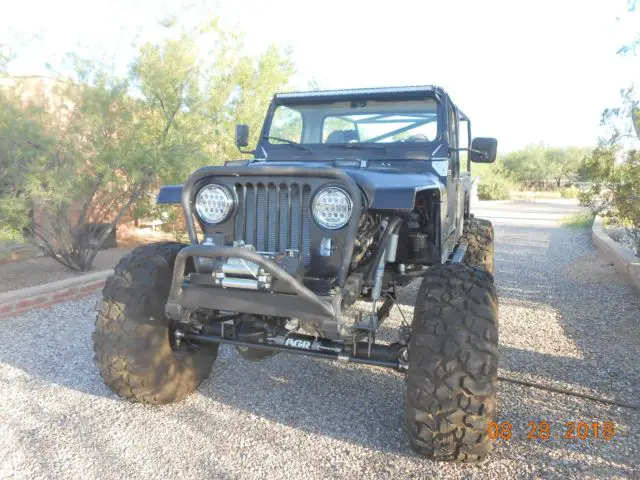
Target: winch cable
(540,386)
(572,393)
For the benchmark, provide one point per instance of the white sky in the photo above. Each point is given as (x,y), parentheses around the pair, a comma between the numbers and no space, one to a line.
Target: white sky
(523,71)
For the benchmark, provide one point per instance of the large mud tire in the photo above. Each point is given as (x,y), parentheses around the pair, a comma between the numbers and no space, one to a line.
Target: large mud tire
(478,235)
(131,336)
(453,364)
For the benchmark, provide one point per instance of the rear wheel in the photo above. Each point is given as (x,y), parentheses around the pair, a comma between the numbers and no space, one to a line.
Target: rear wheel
(131,338)
(478,235)
(453,364)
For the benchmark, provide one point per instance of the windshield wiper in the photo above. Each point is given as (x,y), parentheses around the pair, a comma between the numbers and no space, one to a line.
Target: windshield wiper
(358,146)
(291,143)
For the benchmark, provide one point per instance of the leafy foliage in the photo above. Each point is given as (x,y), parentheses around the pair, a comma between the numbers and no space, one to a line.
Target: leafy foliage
(570,192)
(93,147)
(495,183)
(535,167)
(541,167)
(615,171)
(579,220)
(614,166)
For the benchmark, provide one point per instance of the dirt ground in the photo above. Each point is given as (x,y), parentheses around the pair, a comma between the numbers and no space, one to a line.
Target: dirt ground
(41,270)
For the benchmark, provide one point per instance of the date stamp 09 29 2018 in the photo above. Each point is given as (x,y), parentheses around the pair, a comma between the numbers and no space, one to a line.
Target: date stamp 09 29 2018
(543,430)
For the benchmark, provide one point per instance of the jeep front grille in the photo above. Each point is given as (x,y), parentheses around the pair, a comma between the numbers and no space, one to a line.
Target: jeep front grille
(274,217)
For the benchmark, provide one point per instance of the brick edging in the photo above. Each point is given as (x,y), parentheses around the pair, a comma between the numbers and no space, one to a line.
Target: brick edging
(623,258)
(44,296)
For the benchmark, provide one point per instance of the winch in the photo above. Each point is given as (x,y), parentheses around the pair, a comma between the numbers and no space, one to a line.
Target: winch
(239,273)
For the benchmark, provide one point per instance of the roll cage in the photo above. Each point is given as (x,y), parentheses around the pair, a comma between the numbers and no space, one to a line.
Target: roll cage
(382,94)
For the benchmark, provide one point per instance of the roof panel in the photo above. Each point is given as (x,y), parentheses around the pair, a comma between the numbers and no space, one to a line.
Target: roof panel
(359,92)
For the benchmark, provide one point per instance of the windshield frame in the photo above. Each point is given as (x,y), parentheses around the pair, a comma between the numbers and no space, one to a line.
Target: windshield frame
(323,150)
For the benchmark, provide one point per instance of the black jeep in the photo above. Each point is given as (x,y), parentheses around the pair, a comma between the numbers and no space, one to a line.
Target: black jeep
(349,195)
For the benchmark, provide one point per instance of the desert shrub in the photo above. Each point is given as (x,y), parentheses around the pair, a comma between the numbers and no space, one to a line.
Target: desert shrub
(495,183)
(569,192)
(616,187)
(579,220)
(495,188)
(92,153)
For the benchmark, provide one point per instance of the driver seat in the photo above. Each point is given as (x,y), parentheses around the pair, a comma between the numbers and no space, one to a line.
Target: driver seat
(342,136)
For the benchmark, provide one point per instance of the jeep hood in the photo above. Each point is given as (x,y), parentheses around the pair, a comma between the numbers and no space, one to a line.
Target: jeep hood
(386,185)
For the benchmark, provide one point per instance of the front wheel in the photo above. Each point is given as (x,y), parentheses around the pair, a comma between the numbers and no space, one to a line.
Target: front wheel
(478,235)
(131,337)
(453,364)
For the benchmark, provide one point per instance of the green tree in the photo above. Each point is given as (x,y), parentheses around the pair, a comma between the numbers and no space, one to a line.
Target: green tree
(540,166)
(614,167)
(528,166)
(554,161)
(113,139)
(23,144)
(573,159)
(614,170)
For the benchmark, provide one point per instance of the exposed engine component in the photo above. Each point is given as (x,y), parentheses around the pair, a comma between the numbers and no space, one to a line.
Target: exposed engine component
(369,232)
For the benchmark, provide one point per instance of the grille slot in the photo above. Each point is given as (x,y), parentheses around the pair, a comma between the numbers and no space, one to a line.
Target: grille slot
(274,217)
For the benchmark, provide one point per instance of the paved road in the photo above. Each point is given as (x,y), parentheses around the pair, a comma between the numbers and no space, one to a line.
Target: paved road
(567,319)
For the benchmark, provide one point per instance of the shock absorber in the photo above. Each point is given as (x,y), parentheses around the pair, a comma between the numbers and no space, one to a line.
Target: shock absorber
(388,256)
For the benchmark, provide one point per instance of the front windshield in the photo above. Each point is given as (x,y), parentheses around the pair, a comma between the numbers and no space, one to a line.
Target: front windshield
(348,122)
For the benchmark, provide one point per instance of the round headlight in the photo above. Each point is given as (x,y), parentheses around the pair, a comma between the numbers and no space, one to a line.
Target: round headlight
(214,203)
(332,208)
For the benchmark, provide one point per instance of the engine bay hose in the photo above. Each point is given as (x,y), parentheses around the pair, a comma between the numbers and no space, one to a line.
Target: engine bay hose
(393,224)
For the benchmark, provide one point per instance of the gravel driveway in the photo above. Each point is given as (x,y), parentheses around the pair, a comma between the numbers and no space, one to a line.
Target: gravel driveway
(567,320)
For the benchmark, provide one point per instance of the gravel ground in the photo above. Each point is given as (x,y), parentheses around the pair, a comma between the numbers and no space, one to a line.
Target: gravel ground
(41,270)
(567,319)
(622,236)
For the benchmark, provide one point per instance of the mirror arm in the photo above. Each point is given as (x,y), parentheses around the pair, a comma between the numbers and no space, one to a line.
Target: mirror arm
(248,152)
(470,150)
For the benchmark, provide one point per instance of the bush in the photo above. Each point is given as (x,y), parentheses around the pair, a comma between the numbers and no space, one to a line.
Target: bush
(10,235)
(579,220)
(569,192)
(495,183)
(495,188)
(615,191)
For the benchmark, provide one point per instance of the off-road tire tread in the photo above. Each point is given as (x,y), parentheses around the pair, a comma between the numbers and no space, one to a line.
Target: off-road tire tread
(130,339)
(478,235)
(453,364)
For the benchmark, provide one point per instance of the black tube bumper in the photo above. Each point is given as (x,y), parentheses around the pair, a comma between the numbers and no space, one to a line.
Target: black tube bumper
(302,303)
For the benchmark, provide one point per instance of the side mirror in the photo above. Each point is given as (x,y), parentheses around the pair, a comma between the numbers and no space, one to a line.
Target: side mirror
(242,135)
(483,150)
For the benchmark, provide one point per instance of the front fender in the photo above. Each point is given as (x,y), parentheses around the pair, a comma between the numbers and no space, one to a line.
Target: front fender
(170,195)
(395,190)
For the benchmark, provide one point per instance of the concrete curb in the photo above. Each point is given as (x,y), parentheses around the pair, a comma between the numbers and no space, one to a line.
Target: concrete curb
(623,258)
(44,296)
